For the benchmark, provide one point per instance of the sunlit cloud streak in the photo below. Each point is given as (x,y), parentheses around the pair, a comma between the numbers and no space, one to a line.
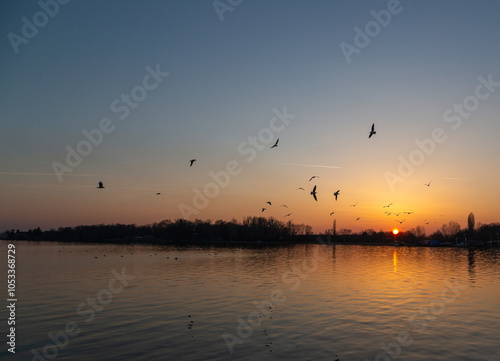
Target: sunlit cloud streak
(304,165)
(44,174)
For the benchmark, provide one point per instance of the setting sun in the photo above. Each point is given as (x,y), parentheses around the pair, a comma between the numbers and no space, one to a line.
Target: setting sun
(395,231)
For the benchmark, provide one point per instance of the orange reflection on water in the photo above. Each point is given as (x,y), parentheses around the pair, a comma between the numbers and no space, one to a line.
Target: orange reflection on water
(395,260)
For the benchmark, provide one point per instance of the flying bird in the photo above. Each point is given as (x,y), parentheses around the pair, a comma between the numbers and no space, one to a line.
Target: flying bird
(191,162)
(428,184)
(269,203)
(263,209)
(336,194)
(357,219)
(397,214)
(332,213)
(275,144)
(287,215)
(372,132)
(401,222)
(158,194)
(387,206)
(314,193)
(284,205)
(353,205)
(300,188)
(101,186)
(314,176)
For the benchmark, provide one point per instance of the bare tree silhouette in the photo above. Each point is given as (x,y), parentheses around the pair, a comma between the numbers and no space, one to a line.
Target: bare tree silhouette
(419,232)
(451,229)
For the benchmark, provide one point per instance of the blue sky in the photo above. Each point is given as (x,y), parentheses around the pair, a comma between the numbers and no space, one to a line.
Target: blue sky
(225,78)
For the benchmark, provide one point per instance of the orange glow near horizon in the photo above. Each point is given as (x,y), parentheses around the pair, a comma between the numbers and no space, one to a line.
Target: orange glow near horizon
(395,231)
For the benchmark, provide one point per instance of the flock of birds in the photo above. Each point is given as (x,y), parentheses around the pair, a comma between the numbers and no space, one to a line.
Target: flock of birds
(314,190)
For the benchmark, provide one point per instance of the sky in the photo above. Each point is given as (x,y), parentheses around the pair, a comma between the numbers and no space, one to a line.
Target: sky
(154,84)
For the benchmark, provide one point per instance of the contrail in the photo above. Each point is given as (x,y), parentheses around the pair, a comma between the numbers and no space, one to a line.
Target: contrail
(44,174)
(304,165)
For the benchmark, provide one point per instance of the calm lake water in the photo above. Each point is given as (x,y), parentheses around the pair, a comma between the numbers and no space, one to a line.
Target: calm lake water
(300,302)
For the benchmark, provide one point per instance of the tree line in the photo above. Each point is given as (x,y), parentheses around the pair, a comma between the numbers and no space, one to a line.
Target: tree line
(250,229)
(450,233)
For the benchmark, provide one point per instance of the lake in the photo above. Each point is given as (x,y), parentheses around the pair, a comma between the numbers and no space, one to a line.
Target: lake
(297,302)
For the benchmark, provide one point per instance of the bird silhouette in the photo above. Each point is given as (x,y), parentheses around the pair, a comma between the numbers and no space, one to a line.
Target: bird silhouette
(353,205)
(263,209)
(332,213)
(284,205)
(191,162)
(300,188)
(336,194)
(357,219)
(428,184)
(314,176)
(275,144)
(401,222)
(158,194)
(288,215)
(101,186)
(372,132)
(387,206)
(314,193)
(269,203)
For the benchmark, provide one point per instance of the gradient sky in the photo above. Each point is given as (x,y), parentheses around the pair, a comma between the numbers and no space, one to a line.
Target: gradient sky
(225,78)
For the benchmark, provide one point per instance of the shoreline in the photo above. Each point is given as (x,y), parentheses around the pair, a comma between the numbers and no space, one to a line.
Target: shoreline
(251,244)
